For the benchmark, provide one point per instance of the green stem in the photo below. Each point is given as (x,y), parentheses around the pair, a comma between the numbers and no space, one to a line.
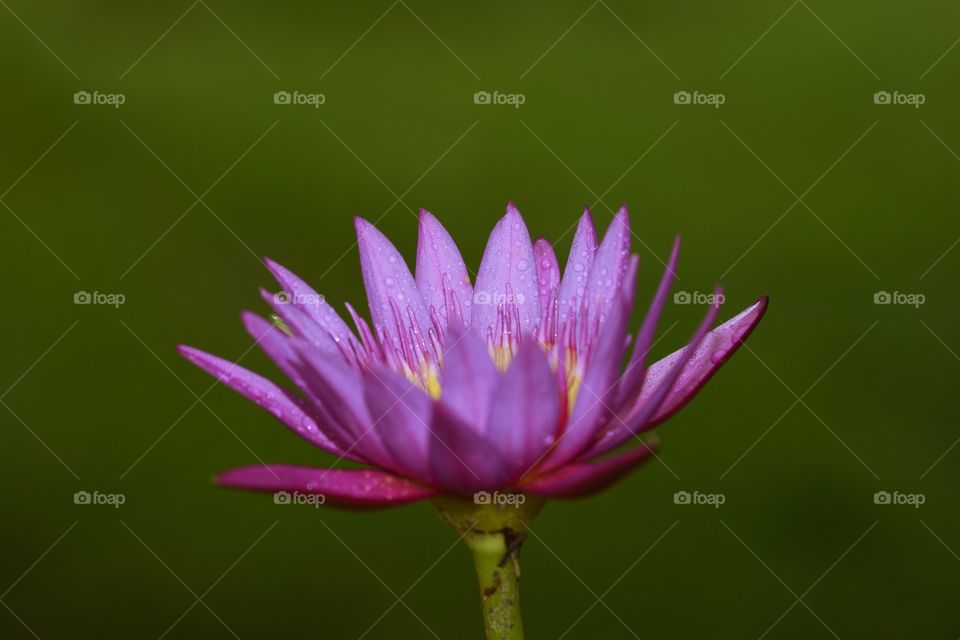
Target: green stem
(494,533)
(498,572)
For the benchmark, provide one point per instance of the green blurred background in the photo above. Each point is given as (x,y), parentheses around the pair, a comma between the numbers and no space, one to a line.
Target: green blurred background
(837,397)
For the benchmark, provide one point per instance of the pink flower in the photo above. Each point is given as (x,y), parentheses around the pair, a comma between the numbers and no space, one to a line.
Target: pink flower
(514,383)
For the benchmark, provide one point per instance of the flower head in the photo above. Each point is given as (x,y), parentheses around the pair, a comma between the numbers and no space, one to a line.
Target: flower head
(515,382)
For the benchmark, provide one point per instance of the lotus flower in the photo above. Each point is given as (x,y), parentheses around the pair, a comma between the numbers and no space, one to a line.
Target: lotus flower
(515,383)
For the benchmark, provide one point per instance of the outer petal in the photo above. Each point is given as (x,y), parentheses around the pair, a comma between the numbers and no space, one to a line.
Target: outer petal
(469,377)
(401,415)
(302,296)
(595,398)
(284,406)
(574,282)
(636,369)
(346,488)
(462,460)
(525,410)
(339,390)
(548,275)
(609,267)
(302,324)
(391,290)
(718,346)
(584,478)
(441,270)
(507,274)
(279,347)
(622,429)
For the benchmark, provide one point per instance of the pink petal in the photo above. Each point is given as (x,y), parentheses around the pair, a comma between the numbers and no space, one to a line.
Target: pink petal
(302,325)
(585,478)
(636,369)
(301,296)
(278,346)
(284,406)
(391,290)
(508,275)
(339,390)
(401,414)
(574,282)
(595,399)
(525,410)
(609,267)
(661,383)
(345,488)
(548,274)
(468,377)
(718,346)
(441,270)
(462,460)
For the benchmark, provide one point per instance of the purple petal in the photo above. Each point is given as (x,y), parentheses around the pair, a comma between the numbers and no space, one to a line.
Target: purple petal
(302,325)
(284,406)
(525,410)
(391,290)
(468,377)
(345,488)
(717,347)
(661,383)
(548,274)
(441,270)
(302,296)
(401,415)
(339,390)
(636,369)
(507,275)
(279,347)
(574,283)
(462,460)
(584,478)
(597,392)
(609,267)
